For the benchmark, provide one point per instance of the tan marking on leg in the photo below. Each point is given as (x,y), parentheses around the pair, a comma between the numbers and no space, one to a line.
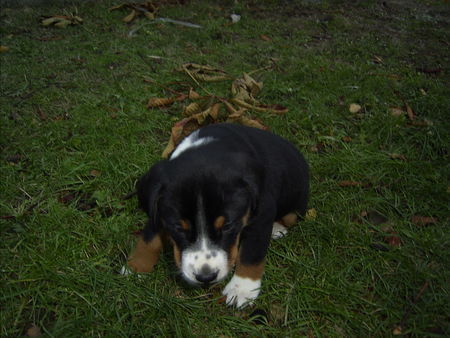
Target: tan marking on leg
(253,272)
(245,218)
(184,224)
(289,219)
(219,222)
(233,254)
(145,255)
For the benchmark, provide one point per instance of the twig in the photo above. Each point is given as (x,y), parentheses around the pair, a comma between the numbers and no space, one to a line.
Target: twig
(162,86)
(410,308)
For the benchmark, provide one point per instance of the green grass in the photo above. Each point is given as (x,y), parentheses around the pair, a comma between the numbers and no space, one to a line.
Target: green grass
(75,135)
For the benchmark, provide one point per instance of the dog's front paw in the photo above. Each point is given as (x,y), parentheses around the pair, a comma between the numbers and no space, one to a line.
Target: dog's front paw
(241,291)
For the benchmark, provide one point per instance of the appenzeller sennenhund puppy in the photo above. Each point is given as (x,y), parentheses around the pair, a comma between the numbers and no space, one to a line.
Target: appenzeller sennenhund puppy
(223,193)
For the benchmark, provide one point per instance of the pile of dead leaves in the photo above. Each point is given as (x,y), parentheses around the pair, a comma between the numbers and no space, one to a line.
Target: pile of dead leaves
(147,9)
(200,110)
(61,21)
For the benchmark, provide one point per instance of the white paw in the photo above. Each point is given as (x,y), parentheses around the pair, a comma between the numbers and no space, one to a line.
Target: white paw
(278,230)
(241,291)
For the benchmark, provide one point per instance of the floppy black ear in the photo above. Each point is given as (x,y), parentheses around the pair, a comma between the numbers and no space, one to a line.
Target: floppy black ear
(149,188)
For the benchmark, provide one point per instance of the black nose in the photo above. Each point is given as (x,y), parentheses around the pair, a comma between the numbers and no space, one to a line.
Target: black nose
(206,275)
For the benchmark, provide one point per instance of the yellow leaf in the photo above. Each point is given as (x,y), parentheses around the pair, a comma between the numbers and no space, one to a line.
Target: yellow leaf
(311,214)
(130,17)
(63,23)
(354,108)
(192,109)
(49,21)
(149,15)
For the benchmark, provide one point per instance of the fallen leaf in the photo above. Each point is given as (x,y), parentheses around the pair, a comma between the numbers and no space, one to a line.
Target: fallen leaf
(311,214)
(265,37)
(347,139)
(396,111)
(354,108)
(3,49)
(147,9)
(95,173)
(61,21)
(349,184)
(377,59)
(397,157)
(423,220)
(34,331)
(393,239)
(397,331)
(130,17)
(204,72)
(155,102)
(410,112)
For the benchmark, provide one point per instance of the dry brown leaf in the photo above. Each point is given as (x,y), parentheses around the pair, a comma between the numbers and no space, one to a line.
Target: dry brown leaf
(246,121)
(347,139)
(61,21)
(34,331)
(245,89)
(423,220)
(215,110)
(265,37)
(410,112)
(193,95)
(179,130)
(130,17)
(349,184)
(204,72)
(3,49)
(155,102)
(397,157)
(192,108)
(396,111)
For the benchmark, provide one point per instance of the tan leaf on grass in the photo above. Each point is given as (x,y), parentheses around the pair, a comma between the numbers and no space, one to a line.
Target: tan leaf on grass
(180,130)
(423,220)
(311,214)
(265,37)
(410,112)
(275,108)
(61,21)
(3,49)
(397,157)
(164,101)
(204,72)
(245,88)
(192,108)
(193,95)
(130,17)
(34,331)
(246,121)
(396,111)
(354,108)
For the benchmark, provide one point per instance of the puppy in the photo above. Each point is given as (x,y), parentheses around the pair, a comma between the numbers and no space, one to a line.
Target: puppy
(224,192)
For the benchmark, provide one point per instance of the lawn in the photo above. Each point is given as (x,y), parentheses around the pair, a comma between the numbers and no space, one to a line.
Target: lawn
(366,87)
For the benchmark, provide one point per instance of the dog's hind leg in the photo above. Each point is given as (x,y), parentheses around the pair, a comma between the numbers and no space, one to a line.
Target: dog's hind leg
(279,228)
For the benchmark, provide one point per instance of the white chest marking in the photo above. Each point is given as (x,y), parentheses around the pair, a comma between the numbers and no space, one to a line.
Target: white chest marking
(192,141)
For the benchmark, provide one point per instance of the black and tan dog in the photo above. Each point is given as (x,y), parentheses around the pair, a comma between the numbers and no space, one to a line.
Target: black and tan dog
(225,191)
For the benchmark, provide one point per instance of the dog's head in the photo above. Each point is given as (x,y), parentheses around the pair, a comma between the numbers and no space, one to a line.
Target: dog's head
(202,212)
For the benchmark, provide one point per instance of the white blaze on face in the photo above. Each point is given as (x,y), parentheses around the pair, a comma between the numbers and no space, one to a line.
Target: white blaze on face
(204,257)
